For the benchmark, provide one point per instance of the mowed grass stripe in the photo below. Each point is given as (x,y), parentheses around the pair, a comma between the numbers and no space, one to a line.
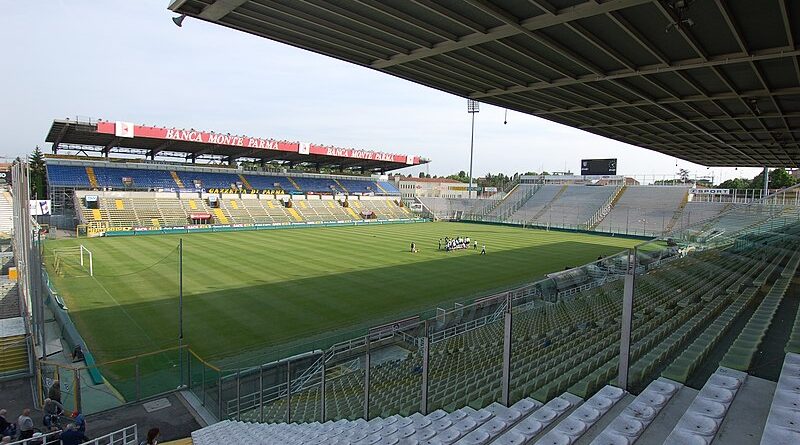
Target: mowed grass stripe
(262,289)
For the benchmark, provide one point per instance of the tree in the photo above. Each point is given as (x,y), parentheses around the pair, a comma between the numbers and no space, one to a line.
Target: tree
(778,179)
(735,184)
(460,177)
(421,174)
(38,177)
(684,175)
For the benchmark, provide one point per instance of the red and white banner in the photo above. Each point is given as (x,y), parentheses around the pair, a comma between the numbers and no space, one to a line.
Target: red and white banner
(125,129)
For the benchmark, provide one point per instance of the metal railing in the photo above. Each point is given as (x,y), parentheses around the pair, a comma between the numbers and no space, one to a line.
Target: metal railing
(124,436)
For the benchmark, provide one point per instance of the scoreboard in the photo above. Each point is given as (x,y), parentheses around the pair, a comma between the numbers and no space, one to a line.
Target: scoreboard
(599,167)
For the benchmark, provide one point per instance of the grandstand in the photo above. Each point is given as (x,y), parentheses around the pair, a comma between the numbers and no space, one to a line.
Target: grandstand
(691,351)
(691,336)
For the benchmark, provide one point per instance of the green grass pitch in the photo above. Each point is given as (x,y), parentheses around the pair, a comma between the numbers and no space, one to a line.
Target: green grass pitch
(255,290)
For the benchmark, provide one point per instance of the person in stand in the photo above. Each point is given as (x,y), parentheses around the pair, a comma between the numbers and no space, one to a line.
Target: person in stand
(73,436)
(152,437)
(54,393)
(6,427)
(77,354)
(25,424)
(483,250)
(52,411)
(80,421)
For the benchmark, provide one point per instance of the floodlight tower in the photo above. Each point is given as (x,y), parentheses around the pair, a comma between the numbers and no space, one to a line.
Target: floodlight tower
(473,106)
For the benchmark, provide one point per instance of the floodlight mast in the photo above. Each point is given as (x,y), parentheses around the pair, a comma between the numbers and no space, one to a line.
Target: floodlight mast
(473,107)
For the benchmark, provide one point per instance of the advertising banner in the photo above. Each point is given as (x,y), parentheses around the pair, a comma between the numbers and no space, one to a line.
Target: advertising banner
(39,207)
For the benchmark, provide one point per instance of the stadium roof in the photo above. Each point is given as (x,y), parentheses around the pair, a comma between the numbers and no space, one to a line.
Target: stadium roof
(124,137)
(710,81)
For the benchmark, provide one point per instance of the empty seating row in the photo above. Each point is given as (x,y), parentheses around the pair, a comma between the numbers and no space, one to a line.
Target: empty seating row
(93,176)
(134,210)
(782,425)
(741,353)
(703,418)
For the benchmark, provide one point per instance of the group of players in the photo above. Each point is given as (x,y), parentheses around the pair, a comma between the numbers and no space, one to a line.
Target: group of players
(457,243)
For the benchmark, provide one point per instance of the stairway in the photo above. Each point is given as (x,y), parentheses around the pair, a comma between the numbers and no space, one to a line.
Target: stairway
(294,214)
(550,204)
(340,185)
(610,207)
(295,184)
(6,214)
(176,178)
(245,183)
(13,355)
(381,188)
(678,213)
(92,178)
(221,216)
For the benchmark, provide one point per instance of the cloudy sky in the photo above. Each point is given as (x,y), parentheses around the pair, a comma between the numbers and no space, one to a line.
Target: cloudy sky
(126,60)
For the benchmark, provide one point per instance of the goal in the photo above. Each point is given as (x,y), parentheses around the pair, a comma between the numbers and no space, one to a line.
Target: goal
(73,261)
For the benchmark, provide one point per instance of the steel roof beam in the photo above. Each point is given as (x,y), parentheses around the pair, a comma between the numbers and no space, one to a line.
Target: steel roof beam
(724,59)
(220,9)
(686,99)
(712,118)
(586,9)
(60,136)
(787,25)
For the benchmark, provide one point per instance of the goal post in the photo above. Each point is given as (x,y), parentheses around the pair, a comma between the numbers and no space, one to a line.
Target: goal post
(88,254)
(73,261)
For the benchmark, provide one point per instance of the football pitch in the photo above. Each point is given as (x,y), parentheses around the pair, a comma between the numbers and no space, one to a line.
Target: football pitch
(253,291)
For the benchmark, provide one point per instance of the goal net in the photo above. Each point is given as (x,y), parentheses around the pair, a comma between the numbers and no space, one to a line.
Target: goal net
(73,261)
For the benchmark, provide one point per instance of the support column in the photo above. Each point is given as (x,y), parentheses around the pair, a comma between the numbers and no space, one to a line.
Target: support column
(423,403)
(506,376)
(627,321)
(766,182)
(366,380)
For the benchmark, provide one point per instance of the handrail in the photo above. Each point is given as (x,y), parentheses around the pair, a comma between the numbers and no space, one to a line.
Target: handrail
(123,436)
(37,440)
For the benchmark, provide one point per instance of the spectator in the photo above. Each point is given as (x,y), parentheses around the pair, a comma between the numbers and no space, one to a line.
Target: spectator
(152,437)
(77,353)
(80,421)
(6,428)
(25,424)
(52,411)
(72,436)
(54,393)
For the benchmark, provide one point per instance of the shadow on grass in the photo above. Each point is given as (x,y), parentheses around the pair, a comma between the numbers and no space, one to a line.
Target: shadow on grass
(264,322)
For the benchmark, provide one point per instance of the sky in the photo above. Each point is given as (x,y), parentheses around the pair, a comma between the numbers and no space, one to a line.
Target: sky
(125,60)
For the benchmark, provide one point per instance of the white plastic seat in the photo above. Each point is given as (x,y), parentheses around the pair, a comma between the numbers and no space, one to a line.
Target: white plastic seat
(718,394)
(611,392)
(424,434)
(477,437)
(586,414)
(545,414)
(709,408)
(699,424)
(571,427)
(464,425)
(628,427)
(449,435)
(529,427)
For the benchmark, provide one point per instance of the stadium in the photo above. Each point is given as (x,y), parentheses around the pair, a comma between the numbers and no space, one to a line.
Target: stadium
(245,289)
